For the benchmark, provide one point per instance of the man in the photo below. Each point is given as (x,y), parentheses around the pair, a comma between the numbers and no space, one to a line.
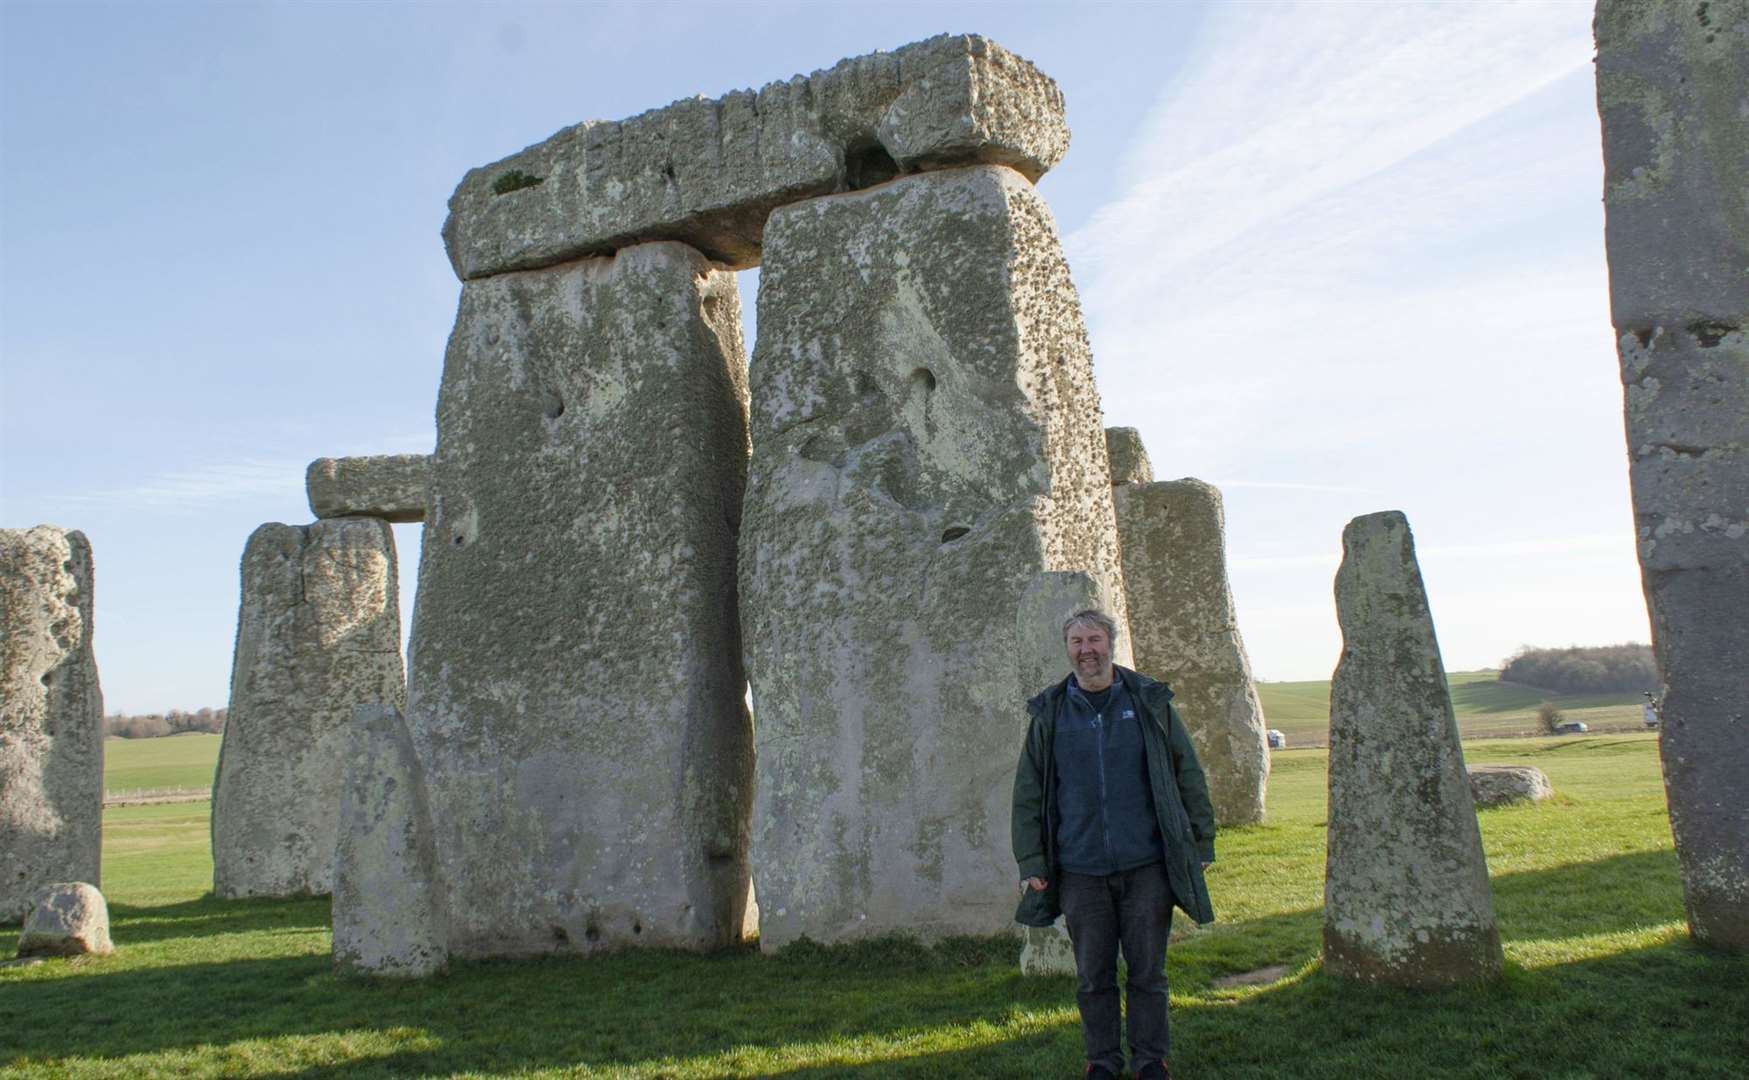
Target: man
(1112,827)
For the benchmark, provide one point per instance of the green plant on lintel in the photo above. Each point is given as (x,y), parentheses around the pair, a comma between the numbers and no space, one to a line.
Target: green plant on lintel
(514,180)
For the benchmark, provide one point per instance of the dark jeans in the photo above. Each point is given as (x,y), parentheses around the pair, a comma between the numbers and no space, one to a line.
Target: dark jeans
(1132,909)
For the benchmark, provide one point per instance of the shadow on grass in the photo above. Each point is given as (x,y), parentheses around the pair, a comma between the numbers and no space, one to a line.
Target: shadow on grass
(1666,1008)
(134,924)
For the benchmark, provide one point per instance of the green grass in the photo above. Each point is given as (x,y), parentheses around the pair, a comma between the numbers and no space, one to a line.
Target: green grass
(1601,978)
(173,761)
(1485,708)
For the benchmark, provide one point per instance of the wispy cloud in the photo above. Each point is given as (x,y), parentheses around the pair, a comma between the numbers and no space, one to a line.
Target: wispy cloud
(202,486)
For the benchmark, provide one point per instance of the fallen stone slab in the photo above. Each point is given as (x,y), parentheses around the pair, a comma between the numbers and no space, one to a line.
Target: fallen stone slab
(318,631)
(1263,976)
(387,486)
(389,908)
(51,734)
(1406,894)
(926,440)
(576,697)
(1673,95)
(1501,785)
(1186,632)
(68,918)
(709,173)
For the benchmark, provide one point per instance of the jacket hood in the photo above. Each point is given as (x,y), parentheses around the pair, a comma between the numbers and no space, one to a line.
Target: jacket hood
(1134,681)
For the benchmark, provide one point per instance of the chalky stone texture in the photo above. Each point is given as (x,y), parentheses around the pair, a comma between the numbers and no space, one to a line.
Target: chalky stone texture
(1187,634)
(1129,458)
(388,486)
(389,915)
(710,172)
(51,716)
(1673,93)
(1500,785)
(927,438)
(68,918)
(1050,598)
(1406,894)
(318,631)
(577,692)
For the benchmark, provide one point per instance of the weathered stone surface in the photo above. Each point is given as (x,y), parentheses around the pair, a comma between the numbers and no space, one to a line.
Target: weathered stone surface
(68,918)
(1050,598)
(1129,458)
(387,486)
(710,172)
(1673,93)
(1498,785)
(1406,893)
(576,692)
(1186,632)
(51,716)
(390,918)
(318,631)
(927,438)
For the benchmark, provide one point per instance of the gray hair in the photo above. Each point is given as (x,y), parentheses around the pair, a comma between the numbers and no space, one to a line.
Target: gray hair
(1091,617)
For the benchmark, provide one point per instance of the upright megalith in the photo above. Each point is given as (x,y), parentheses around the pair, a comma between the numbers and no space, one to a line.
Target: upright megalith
(390,918)
(1186,630)
(318,631)
(51,716)
(1406,895)
(1673,93)
(387,486)
(576,691)
(926,440)
(708,173)
(1128,457)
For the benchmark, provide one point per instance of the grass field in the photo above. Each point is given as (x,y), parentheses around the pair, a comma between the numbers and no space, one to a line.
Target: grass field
(1485,708)
(173,762)
(1601,977)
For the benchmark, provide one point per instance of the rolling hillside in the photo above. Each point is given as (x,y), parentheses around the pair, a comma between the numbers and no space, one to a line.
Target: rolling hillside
(1485,708)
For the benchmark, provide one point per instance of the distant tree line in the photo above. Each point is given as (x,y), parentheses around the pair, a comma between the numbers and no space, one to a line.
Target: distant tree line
(174,722)
(1594,669)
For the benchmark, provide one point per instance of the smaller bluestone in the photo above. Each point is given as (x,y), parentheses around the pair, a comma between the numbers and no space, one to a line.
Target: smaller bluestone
(388,486)
(1406,894)
(390,918)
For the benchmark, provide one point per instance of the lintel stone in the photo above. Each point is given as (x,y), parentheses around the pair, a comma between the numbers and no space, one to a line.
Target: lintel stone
(709,172)
(387,486)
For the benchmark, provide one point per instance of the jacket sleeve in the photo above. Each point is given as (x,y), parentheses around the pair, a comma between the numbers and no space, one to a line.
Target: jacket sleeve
(1193,786)
(1027,831)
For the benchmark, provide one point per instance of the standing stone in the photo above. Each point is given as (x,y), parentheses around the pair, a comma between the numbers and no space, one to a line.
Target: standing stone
(1050,598)
(389,917)
(68,918)
(709,173)
(1129,458)
(319,631)
(1186,631)
(388,486)
(576,695)
(1406,894)
(1673,93)
(927,439)
(51,716)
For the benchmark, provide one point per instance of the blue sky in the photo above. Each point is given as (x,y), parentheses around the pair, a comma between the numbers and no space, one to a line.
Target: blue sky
(1335,258)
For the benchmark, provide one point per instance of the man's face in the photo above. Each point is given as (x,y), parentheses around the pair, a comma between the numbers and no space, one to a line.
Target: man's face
(1089,653)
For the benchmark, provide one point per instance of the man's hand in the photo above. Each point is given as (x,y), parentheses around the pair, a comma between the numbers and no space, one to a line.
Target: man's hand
(1036,884)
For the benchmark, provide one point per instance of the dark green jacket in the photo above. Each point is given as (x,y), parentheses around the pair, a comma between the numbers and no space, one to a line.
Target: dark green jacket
(1181,800)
